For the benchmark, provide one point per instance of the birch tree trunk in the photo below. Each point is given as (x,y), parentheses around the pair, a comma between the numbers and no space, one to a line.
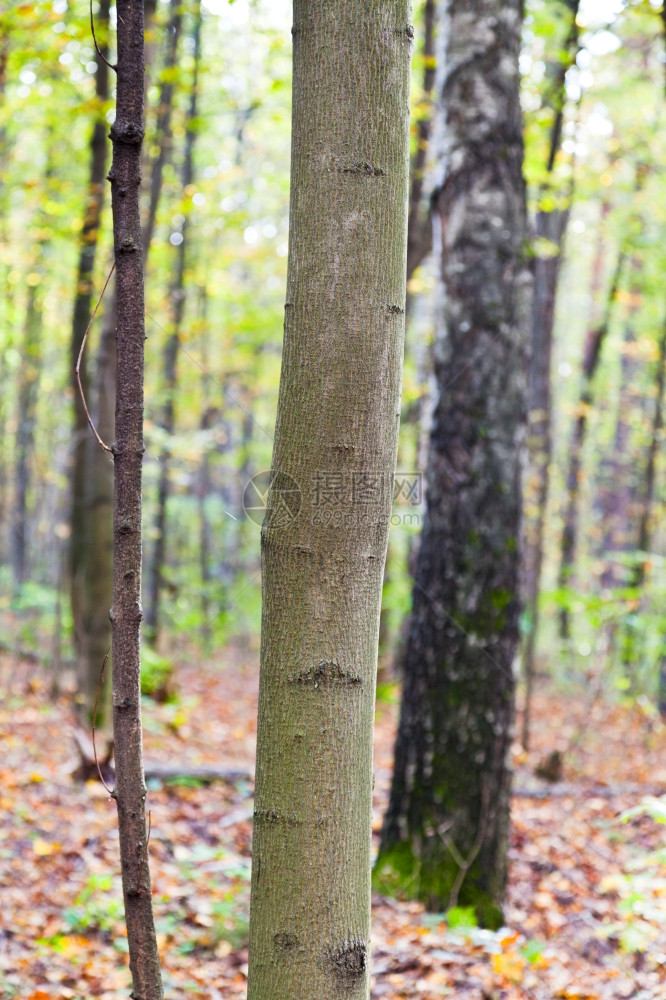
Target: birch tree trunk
(130,790)
(325,533)
(445,833)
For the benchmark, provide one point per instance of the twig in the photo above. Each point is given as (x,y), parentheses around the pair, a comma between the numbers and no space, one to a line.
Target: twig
(464,864)
(99,51)
(77,370)
(94,720)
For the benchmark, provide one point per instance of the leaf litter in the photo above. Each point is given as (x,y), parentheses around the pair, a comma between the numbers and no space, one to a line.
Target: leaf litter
(586,906)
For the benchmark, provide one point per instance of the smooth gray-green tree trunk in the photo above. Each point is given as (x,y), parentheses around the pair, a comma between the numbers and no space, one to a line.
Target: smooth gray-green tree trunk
(325,533)
(445,834)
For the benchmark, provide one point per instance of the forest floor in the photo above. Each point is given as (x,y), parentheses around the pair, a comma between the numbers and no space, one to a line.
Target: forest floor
(586,913)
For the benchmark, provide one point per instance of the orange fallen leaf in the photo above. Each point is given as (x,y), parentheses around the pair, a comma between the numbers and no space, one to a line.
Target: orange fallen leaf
(509,964)
(43,848)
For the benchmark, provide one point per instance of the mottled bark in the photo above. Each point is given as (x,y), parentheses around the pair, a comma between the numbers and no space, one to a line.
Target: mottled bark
(592,354)
(445,833)
(80,541)
(177,297)
(130,790)
(325,534)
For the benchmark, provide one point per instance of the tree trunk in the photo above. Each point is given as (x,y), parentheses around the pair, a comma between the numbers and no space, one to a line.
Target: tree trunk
(592,355)
(79,539)
(92,585)
(419,229)
(177,301)
(326,529)
(632,640)
(550,228)
(28,390)
(445,833)
(130,790)
(158,162)
(618,496)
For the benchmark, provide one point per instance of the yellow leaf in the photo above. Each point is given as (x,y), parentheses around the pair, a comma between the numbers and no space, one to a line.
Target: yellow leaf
(43,848)
(509,964)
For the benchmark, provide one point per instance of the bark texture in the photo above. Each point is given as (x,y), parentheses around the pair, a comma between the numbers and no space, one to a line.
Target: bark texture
(92,532)
(130,791)
(445,832)
(325,534)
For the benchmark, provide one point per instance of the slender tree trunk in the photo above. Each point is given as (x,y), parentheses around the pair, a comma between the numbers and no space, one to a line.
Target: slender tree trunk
(592,355)
(205,533)
(550,228)
(445,834)
(335,443)
(158,162)
(618,495)
(419,229)
(632,640)
(92,583)
(204,485)
(79,538)
(130,790)
(28,391)
(177,300)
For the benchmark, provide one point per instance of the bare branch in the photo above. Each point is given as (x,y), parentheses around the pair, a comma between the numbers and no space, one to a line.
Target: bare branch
(94,719)
(77,370)
(97,48)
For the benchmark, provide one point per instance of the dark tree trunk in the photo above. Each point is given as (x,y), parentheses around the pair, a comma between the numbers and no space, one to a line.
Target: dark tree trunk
(419,229)
(92,585)
(550,226)
(618,496)
(632,640)
(167,423)
(28,391)
(445,833)
(158,162)
(592,354)
(79,537)
(130,790)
